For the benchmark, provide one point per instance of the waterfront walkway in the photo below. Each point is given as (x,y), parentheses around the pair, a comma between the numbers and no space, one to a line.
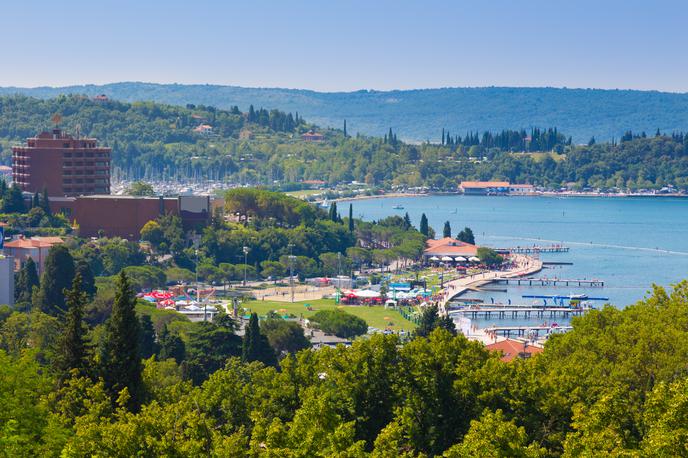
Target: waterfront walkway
(523,265)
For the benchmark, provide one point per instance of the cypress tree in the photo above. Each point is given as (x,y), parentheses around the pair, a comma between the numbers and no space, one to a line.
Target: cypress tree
(45,202)
(407,221)
(72,344)
(58,275)
(351,217)
(345,135)
(171,346)
(424,225)
(26,280)
(88,281)
(36,202)
(121,359)
(334,216)
(447,229)
(255,346)
(147,344)
(13,200)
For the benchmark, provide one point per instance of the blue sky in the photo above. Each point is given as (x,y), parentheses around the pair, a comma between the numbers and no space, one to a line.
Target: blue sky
(348,45)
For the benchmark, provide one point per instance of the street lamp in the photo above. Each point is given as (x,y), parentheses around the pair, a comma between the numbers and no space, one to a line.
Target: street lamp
(245,249)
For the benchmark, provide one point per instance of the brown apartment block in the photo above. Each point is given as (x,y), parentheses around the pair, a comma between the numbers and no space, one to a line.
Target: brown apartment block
(65,165)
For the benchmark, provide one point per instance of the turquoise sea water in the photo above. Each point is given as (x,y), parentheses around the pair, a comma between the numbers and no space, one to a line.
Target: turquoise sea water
(630,243)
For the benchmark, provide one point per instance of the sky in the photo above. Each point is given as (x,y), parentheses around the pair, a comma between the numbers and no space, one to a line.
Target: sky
(345,45)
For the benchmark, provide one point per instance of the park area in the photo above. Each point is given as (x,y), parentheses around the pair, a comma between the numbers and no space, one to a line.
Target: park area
(376,316)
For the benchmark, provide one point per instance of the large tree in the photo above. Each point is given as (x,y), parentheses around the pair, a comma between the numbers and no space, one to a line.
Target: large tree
(88,281)
(25,281)
(466,235)
(446,232)
(424,225)
(57,276)
(72,346)
(255,346)
(121,359)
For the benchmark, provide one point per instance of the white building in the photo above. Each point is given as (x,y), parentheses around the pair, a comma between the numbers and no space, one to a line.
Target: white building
(6,280)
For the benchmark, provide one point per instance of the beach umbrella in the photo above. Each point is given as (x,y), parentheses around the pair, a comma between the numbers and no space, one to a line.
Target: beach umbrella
(434,258)
(460,259)
(474,259)
(447,258)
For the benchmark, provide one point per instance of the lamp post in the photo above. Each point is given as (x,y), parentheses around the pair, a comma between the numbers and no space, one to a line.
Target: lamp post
(245,248)
(291,270)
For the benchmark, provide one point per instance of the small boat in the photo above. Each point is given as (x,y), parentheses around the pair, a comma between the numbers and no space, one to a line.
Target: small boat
(398,207)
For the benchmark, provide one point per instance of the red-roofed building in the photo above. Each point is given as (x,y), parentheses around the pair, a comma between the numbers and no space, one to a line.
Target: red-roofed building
(482,188)
(512,349)
(35,248)
(204,129)
(449,247)
(311,136)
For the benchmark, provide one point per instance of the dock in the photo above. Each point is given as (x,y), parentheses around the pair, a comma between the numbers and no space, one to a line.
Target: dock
(550,282)
(496,312)
(534,249)
(525,330)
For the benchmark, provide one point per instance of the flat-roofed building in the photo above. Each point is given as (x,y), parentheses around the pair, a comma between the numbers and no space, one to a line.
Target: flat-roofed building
(62,164)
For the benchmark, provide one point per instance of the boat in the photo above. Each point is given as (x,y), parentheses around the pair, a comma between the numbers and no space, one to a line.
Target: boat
(398,207)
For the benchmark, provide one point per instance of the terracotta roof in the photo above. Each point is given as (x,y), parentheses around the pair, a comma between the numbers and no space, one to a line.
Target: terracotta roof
(512,349)
(484,184)
(449,247)
(35,242)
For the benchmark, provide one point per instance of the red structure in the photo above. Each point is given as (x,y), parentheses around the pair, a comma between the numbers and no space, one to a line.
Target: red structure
(65,165)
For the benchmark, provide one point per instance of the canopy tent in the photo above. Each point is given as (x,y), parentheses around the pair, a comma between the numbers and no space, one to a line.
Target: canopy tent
(367,293)
(474,259)
(447,258)
(460,259)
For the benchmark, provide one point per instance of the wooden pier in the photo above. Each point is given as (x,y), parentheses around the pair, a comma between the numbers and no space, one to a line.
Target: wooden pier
(551,282)
(497,312)
(534,249)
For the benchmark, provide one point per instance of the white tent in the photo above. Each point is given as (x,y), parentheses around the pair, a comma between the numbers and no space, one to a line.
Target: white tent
(474,259)
(447,258)
(365,293)
(434,258)
(460,259)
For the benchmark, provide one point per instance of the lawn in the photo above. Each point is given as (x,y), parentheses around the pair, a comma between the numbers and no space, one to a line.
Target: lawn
(304,193)
(376,316)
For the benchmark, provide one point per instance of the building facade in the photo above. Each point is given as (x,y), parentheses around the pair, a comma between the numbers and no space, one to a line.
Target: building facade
(6,280)
(36,248)
(64,165)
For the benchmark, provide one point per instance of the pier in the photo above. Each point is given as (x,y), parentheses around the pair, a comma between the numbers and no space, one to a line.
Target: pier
(496,312)
(534,249)
(525,330)
(550,282)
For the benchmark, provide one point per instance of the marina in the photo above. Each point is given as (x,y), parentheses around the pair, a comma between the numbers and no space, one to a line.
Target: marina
(551,282)
(535,249)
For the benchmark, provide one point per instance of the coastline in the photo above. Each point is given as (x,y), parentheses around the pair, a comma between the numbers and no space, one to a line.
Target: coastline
(535,194)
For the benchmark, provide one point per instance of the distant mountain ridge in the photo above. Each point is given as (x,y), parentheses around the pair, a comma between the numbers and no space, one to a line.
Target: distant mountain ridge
(421,114)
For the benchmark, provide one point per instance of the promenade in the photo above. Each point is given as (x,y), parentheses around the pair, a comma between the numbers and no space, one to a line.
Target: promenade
(523,265)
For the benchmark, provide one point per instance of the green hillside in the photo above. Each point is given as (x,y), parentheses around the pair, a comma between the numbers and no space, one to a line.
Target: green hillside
(420,114)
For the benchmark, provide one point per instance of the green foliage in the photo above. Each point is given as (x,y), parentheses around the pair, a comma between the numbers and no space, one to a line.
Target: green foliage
(446,231)
(57,276)
(424,225)
(73,345)
(25,281)
(466,235)
(208,347)
(339,323)
(147,341)
(431,320)
(285,337)
(140,188)
(145,277)
(255,345)
(489,257)
(120,355)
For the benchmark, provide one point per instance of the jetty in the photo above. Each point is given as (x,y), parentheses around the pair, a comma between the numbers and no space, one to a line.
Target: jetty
(550,282)
(534,249)
(525,330)
(497,312)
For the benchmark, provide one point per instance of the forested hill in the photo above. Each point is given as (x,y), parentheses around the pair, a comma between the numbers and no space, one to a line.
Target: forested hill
(420,115)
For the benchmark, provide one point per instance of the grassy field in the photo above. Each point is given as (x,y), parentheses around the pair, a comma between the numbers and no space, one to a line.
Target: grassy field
(377,316)
(304,193)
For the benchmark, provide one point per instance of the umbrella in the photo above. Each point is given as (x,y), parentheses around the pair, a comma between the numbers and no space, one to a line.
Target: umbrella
(434,258)
(474,259)
(367,293)
(460,259)
(447,258)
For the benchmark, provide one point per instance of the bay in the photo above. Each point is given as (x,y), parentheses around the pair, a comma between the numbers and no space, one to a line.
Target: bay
(630,243)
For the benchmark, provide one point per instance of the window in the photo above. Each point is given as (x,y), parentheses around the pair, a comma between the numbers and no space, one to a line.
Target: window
(65,145)
(79,155)
(68,164)
(67,155)
(67,181)
(67,172)
(89,154)
(100,172)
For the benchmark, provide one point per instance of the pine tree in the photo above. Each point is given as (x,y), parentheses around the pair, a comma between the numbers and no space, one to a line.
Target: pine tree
(424,225)
(26,280)
(351,217)
(121,360)
(466,235)
(147,344)
(58,275)
(88,281)
(45,202)
(13,200)
(446,232)
(255,346)
(72,344)
(171,346)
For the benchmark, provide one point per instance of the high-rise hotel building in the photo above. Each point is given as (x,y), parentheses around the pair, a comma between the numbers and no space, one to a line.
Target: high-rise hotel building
(65,165)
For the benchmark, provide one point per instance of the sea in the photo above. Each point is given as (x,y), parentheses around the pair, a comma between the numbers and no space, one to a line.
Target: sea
(630,243)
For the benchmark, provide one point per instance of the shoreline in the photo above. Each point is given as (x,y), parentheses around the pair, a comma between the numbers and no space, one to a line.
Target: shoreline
(539,194)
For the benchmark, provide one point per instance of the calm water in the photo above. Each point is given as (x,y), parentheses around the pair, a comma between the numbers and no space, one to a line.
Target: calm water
(630,243)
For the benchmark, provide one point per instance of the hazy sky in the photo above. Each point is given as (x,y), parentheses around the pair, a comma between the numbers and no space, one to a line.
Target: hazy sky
(347,45)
